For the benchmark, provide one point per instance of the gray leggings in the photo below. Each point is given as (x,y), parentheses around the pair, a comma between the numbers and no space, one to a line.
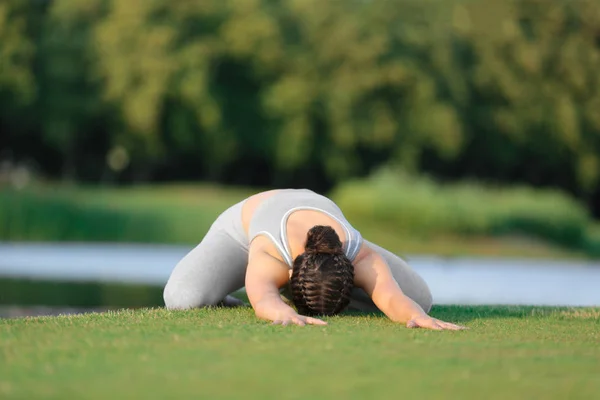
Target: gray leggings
(217,267)
(214,268)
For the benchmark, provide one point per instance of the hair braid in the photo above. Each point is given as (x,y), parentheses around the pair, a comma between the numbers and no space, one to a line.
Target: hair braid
(322,277)
(297,286)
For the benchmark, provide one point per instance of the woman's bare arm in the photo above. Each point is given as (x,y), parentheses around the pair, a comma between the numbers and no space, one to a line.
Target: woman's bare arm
(372,274)
(264,277)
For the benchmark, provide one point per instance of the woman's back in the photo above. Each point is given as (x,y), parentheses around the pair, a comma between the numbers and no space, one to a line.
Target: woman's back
(279,221)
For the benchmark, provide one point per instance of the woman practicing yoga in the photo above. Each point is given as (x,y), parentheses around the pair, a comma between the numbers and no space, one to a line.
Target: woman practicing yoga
(298,241)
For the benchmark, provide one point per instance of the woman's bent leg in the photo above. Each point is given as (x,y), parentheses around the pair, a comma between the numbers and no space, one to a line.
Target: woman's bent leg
(409,281)
(208,273)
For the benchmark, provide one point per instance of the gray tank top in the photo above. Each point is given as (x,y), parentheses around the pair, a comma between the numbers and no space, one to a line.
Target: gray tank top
(270,220)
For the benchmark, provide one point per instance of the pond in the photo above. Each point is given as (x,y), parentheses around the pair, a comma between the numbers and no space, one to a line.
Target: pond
(452,280)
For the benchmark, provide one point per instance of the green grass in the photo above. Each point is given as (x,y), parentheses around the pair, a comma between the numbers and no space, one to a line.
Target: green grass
(509,352)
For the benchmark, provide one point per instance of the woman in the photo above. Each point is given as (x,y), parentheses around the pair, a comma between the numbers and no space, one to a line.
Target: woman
(298,240)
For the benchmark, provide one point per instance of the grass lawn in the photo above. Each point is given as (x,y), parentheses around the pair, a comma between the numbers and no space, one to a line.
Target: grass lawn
(509,352)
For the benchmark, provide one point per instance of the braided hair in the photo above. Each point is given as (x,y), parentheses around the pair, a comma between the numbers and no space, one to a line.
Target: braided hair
(322,277)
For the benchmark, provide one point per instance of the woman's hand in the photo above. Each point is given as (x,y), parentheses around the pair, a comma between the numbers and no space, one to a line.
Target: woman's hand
(427,322)
(294,318)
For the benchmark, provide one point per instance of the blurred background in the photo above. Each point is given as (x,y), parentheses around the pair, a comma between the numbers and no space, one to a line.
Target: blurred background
(461,134)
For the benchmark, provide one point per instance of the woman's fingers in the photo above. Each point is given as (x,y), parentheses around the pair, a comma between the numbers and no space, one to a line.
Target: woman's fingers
(453,327)
(315,321)
(300,321)
(282,322)
(450,327)
(427,323)
(432,323)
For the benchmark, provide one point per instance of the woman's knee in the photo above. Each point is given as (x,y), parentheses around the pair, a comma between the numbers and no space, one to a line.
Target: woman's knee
(425,299)
(179,297)
(419,291)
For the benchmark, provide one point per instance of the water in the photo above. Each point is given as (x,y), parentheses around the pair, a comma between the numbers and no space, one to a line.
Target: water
(452,280)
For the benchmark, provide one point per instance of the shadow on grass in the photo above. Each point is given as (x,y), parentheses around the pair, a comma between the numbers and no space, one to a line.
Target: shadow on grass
(25,292)
(461,314)
(470,313)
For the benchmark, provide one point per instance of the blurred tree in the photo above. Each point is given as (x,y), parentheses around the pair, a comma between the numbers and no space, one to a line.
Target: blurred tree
(17,78)
(75,123)
(530,69)
(305,92)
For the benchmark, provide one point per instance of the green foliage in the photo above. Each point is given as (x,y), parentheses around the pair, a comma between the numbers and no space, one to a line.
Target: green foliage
(25,292)
(18,84)
(400,213)
(29,217)
(508,352)
(421,206)
(139,214)
(313,92)
(69,105)
(16,52)
(592,243)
